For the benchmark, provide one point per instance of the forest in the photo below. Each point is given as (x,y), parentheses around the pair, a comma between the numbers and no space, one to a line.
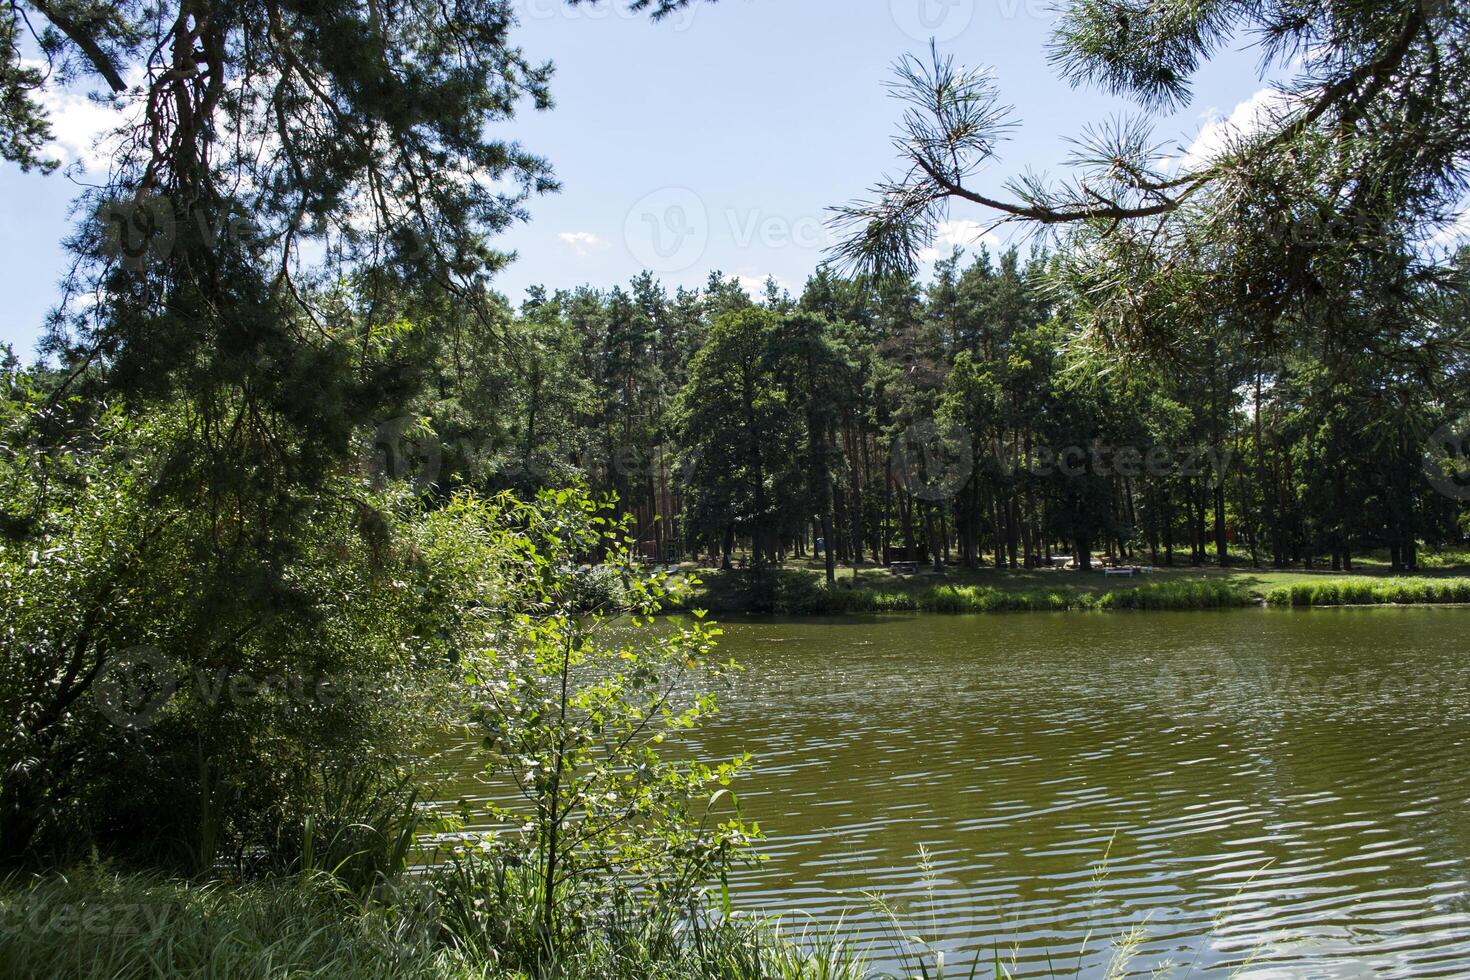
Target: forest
(357,613)
(960,421)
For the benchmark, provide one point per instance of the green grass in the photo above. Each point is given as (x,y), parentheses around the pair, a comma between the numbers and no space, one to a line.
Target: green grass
(98,924)
(984,599)
(1371,592)
(798,589)
(799,593)
(94,923)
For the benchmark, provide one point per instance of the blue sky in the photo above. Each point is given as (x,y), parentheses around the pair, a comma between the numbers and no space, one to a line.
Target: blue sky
(725,131)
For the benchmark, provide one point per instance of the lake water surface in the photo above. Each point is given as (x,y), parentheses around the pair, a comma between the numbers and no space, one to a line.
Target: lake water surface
(1266,792)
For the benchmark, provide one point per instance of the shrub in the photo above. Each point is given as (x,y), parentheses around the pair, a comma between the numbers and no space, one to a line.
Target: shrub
(1372,592)
(186,709)
(572,706)
(1178,595)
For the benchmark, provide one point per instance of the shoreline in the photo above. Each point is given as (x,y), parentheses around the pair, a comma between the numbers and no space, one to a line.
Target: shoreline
(798,593)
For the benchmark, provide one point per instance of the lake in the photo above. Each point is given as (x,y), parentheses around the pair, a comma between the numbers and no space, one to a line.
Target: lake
(1268,792)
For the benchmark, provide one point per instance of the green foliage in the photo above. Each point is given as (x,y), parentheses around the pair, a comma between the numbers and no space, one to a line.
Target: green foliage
(740,432)
(767,591)
(573,706)
(1260,223)
(94,924)
(968,422)
(185,713)
(800,593)
(1372,592)
(1179,595)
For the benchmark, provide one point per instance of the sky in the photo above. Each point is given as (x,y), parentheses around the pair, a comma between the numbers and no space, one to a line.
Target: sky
(715,139)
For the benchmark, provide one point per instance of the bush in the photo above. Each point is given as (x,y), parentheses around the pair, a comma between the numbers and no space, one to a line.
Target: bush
(766,592)
(597,587)
(1179,595)
(184,705)
(1371,592)
(571,706)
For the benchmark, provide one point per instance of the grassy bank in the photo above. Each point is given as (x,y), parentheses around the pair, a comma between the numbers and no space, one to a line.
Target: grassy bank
(798,589)
(97,924)
(93,924)
(985,599)
(800,593)
(1372,592)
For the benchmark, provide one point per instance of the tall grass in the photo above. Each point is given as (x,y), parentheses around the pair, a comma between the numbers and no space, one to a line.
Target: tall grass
(1372,592)
(470,922)
(97,924)
(1172,595)
(1179,595)
(798,593)
(94,924)
(360,829)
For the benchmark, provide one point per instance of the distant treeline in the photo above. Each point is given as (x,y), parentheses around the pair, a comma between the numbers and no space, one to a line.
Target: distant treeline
(965,420)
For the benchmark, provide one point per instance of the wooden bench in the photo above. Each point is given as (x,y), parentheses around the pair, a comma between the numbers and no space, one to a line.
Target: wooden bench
(1127,572)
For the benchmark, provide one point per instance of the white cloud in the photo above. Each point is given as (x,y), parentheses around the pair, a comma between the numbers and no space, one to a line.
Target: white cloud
(583,242)
(1253,115)
(965,234)
(81,126)
(755,285)
(1455,233)
(78,127)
